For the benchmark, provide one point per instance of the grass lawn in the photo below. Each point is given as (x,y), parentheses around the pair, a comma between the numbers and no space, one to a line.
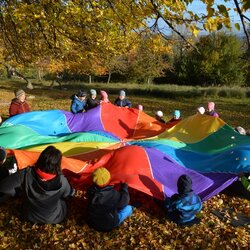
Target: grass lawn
(147,228)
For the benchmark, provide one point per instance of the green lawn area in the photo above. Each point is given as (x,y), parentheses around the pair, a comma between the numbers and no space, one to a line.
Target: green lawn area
(146,228)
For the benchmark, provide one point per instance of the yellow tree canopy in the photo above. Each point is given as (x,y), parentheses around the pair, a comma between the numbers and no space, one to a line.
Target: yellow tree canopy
(85,35)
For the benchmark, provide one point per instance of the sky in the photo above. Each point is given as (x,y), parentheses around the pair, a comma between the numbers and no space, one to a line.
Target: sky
(200,8)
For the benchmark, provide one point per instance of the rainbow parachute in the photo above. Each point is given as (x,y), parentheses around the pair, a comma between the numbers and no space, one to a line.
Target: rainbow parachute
(136,148)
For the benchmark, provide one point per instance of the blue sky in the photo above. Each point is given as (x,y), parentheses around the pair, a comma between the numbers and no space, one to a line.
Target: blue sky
(200,8)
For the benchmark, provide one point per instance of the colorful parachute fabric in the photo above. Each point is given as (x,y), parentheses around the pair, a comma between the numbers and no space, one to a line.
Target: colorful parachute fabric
(148,155)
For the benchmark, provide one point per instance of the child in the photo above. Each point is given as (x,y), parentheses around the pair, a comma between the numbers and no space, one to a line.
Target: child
(139,107)
(210,109)
(18,104)
(159,115)
(122,101)
(104,96)
(183,207)
(107,208)
(8,168)
(44,186)
(201,110)
(92,102)
(78,102)
(176,117)
(240,130)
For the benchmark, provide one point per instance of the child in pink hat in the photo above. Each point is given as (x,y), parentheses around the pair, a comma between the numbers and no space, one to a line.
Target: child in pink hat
(211,109)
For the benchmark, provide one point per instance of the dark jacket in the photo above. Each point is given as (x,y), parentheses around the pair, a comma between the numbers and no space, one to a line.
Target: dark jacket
(43,200)
(174,120)
(92,103)
(123,103)
(212,113)
(77,106)
(103,205)
(17,107)
(159,119)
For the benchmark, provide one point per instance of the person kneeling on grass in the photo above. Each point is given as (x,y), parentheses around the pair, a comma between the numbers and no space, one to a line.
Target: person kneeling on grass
(183,207)
(44,188)
(107,208)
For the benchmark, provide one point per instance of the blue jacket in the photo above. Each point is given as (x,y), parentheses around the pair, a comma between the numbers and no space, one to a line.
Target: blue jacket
(123,103)
(77,106)
(183,208)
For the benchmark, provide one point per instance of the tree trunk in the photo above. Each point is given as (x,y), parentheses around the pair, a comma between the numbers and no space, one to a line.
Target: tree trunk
(148,80)
(12,71)
(109,78)
(53,83)
(39,75)
(9,72)
(90,79)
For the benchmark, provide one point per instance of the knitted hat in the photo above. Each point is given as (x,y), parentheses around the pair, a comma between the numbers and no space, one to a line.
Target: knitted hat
(177,114)
(159,113)
(240,130)
(104,96)
(101,177)
(3,154)
(92,92)
(122,93)
(184,184)
(19,92)
(201,110)
(210,105)
(81,93)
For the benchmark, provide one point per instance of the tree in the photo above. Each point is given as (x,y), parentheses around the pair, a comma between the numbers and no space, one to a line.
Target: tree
(149,59)
(75,33)
(219,61)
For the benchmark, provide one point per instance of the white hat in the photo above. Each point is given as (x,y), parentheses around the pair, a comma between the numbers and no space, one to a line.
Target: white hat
(201,110)
(240,130)
(159,113)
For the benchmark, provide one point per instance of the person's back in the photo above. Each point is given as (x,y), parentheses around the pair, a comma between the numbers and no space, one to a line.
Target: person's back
(183,207)
(107,208)
(44,198)
(44,189)
(18,104)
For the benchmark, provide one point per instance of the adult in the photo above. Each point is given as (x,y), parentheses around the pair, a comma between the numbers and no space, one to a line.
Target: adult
(18,104)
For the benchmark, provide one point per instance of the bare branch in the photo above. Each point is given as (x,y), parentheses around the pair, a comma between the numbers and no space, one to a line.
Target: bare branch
(172,27)
(242,22)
